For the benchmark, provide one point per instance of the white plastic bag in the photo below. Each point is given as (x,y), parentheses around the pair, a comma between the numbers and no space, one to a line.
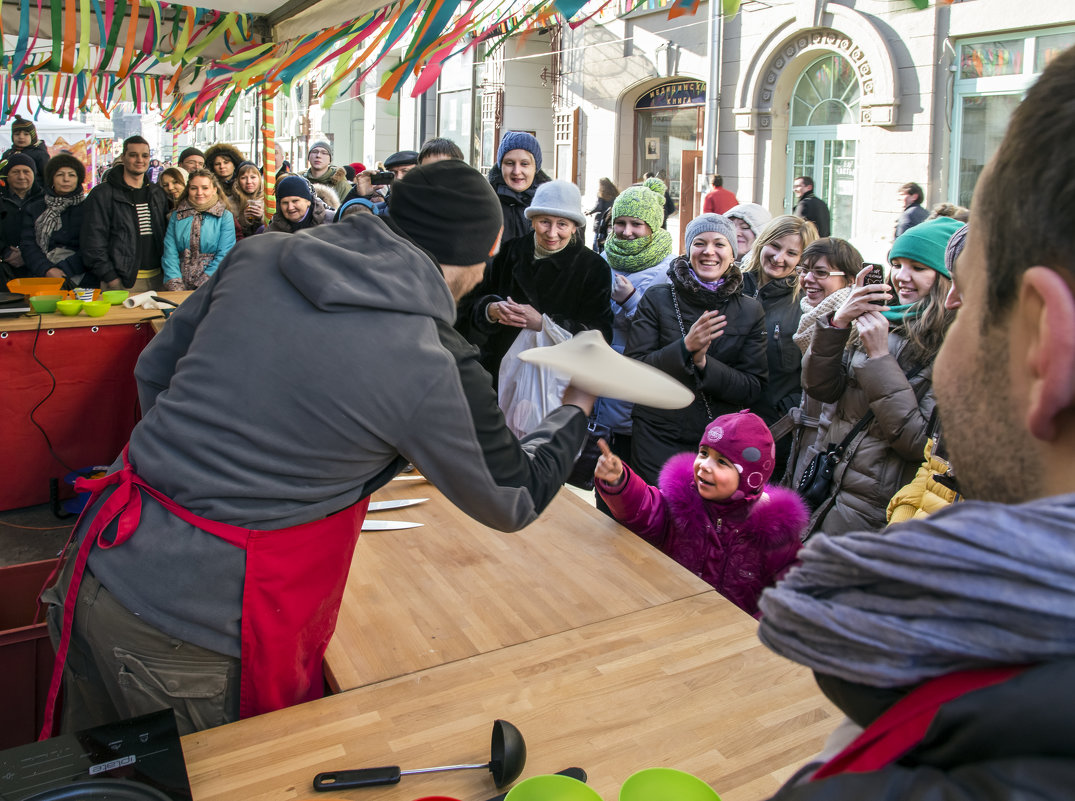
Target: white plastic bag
(528,392)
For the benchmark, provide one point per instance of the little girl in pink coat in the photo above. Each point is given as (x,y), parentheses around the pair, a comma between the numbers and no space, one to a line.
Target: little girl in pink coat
(712,511)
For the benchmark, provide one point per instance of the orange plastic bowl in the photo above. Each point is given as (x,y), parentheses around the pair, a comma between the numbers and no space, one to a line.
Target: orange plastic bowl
(35,286)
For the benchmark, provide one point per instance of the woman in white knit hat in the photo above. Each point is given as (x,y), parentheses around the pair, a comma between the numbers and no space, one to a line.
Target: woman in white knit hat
(548,272)
(749,219)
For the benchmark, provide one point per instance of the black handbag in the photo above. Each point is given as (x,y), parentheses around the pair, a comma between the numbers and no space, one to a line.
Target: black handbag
(815,486)
(816,482)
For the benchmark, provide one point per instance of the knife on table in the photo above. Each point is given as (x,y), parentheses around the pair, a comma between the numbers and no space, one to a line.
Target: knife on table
(387,525)
(380,506)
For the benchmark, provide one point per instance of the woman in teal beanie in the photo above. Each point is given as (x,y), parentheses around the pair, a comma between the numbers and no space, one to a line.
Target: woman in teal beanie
(872,357)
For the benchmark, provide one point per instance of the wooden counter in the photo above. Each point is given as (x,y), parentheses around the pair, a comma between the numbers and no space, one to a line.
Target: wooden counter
(422,597)
(684,684)
(117,315)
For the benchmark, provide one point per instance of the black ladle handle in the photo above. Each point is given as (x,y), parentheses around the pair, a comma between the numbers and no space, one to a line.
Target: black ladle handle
(348,779)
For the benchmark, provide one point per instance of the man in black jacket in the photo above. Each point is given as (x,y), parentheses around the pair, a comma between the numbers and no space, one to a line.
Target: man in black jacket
(909,197)
(125,220)
(810,206)
(21,186)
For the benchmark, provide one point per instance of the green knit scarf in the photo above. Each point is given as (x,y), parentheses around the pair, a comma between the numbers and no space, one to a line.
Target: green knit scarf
(632,255)
(895,314)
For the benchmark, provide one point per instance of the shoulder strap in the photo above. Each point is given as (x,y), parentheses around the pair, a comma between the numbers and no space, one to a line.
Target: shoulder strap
(866,418)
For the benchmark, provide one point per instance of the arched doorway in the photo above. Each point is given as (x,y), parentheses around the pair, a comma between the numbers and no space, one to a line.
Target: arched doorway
(823,136)
(668,120)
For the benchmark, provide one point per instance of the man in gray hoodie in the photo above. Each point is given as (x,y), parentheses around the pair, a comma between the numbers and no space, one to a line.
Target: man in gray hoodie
(951,639)
(302,377)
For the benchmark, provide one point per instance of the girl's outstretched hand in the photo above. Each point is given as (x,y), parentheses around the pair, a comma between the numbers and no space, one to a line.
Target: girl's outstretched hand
(609,466)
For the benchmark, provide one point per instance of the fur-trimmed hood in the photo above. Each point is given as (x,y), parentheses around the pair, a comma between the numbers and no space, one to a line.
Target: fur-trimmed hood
(223,149)
(327,194)
(333,175)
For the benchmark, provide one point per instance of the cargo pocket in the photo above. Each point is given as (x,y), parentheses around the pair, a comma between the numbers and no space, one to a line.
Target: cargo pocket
(196,689)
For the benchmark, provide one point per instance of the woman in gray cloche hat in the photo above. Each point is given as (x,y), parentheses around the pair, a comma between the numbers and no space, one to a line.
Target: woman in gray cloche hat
(548,272)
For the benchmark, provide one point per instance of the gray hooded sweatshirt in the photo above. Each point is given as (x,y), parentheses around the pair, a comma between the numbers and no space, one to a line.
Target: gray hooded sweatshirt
(298,380)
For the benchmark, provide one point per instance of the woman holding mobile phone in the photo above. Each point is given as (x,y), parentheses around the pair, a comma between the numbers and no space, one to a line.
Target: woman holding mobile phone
(250,199)
(873,362)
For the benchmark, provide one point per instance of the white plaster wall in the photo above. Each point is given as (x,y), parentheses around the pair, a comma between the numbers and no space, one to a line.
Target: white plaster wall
(527,102)
(345,121)
(381,127)
(606,67)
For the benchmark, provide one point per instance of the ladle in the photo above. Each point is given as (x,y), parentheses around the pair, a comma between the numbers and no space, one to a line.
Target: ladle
(508,758)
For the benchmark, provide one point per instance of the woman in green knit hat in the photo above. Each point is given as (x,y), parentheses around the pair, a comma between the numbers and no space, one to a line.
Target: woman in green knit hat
(872,357)
(639,251)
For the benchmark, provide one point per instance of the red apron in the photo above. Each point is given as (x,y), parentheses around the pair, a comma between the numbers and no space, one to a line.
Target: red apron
(904,724)
(294,583)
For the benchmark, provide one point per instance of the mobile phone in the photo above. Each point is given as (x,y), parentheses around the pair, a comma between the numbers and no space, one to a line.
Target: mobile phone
(876,275)
(383,177)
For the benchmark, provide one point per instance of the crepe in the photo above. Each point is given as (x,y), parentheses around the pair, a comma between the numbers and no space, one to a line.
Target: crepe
(594,367)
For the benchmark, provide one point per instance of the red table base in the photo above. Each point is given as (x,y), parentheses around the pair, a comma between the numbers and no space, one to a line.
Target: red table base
(87,418)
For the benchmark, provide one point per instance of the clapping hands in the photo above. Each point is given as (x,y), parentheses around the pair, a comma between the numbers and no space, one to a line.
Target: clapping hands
(705,329)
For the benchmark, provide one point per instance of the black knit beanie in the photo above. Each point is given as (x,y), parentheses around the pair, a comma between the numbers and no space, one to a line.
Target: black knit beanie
(450,209)
(190,151)
(64,160)
(25,125)
(20,158)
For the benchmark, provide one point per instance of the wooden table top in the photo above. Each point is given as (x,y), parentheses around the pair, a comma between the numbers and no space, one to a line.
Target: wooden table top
(684,684)
(117,315)
(421,597)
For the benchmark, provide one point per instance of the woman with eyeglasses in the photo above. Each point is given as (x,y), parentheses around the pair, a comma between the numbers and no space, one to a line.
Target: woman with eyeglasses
(872,363)
(826,271)
(769,275)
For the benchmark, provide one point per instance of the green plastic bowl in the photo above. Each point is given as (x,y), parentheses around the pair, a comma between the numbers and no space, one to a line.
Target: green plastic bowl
(96,308)
(44,304)
(115,296)
(551,788)
(69,307)
(666,784)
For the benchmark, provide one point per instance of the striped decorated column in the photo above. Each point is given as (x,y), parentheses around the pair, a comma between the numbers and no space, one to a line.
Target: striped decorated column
(268,150)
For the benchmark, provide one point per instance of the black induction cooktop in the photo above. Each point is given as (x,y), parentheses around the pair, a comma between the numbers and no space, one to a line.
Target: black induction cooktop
(139,759)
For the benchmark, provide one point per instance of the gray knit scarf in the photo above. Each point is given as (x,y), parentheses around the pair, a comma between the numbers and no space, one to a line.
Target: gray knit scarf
(975,585)
(49,222)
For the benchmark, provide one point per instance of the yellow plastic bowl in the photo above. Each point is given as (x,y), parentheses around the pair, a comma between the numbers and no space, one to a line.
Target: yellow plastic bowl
(69,307)
(115,296)
(44,304)
(96,308)
(666,784)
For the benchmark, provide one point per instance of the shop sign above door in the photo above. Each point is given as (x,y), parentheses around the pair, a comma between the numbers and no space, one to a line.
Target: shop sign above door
(678,93)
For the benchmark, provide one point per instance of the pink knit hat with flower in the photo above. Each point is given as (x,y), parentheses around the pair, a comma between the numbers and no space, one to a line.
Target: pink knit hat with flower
(744,439)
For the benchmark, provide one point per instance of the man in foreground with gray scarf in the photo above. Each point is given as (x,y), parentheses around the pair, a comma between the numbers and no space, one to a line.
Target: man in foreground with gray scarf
(951,640)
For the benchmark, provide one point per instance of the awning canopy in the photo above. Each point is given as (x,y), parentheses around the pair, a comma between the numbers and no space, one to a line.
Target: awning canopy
(194,63)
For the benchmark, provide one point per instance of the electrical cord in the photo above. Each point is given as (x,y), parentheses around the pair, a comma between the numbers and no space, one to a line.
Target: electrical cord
(40,403)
